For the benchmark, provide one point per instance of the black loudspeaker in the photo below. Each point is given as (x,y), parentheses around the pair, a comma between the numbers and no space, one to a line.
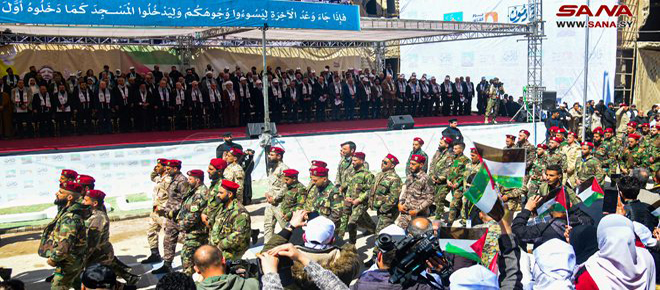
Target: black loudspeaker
(399,122)
(254,129)
(549,101)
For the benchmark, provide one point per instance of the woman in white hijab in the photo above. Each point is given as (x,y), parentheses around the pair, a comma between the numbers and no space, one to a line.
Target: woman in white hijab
(554,267)
(618,264)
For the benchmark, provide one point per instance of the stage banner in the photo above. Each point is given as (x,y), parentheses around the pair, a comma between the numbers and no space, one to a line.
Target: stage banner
(171,13)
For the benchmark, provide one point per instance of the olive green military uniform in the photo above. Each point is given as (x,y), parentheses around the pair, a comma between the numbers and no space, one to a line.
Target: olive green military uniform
(555,157)
(329,202)
(294,199)
(440,166)
(190,223)
(456,177)
(586,168)
(418,152)
(416,195)
(231,230)
(234,172)
(354,215)
(276,189)
(633,157)
(384,198)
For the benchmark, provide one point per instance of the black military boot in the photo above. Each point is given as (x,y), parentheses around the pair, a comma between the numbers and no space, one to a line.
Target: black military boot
(166,268)
(153,259)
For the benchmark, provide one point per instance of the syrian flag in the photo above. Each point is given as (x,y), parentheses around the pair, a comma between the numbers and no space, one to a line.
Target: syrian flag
(483,193)
(590,191)
(554,203)
(506,166)
(461,244)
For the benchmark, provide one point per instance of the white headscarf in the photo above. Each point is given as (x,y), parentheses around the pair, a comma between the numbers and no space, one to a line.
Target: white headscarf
(474,277)
(555,263)
(645,235)
(319,233)
(619,264)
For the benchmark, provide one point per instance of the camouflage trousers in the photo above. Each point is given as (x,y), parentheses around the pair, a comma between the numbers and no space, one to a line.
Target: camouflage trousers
(191,242)
(272,214)
(455,206)
(354,216)
(67,275)
(385,219)
(441,191)
(171,238)
(156,223)
(492,108)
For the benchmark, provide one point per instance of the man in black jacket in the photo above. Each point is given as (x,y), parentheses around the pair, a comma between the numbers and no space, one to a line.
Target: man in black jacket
(636,210)
(226,146)
(453,132)
(609,117)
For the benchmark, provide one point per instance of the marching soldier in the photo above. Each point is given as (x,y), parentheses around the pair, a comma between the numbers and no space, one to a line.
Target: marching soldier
(492,108)
(417,150)
(440,164)
(530,152)
(68,175)
(231,229)
(588,166)
(215,171)
(345,170)
(633,156)
(572,152)
(611,144)
(177,187)
(275,192)
(537,171)
(64,240)
(295,196)
(455,182)
(384,194)
(311,187)
(329,201)
(190,221)
(417,194)
(87,182)
(157,222)
(234,172)
(357,199)
(554,154)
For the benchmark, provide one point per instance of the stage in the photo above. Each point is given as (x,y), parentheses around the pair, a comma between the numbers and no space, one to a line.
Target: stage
(145,139)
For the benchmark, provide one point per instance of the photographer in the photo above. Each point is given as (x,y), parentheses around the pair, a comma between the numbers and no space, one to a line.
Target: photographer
(210,263)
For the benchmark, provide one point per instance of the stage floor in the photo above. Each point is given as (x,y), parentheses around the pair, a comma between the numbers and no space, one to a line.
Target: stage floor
(72,143)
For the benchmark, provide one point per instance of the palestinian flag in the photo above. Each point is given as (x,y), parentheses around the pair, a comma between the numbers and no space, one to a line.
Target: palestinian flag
(493,264)
(464,242)
(553,202)
(590,191)
(506,166)
(483,193)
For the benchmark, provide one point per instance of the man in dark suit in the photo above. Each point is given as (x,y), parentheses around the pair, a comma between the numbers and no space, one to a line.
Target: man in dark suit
(195,104)
(163,97)
(401,87)
(62,102)
(413,95)
(158,75)
(125,104)
(83,107)
(364,95)
(244,93)
(336,89)
(350,97)
(307,96)
(102,104)
(144,103)
(459,97)
(293,99)
(447,91)
(321,95)
(213,99)
(469,95)
(482,95)
(276,99)
(178,103)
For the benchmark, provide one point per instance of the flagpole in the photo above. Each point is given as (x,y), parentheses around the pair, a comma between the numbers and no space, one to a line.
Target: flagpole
(568,223)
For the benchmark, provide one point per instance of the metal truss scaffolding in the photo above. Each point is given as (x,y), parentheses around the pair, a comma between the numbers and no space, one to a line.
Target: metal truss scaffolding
(535,86)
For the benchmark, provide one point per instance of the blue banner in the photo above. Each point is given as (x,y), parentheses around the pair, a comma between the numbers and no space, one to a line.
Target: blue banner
(177,13)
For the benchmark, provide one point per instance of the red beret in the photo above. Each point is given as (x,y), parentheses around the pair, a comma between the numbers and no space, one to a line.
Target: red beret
(230,185)
(508,136)
(277,150)
(418,158)
(68,173)
(319,163)
(657,125)
(558,140)
(72,186)
(320,172)
(588,144)
(553,129)
(85,179)
(525,132)
(173,163)
(646,125)
(561,130)
(598,130)
(632,124)
(447,140)
(360,155)
(196,173)
(634,136)
(542,146)
(96,194)
(609,130)
(290,173)
(161,160)
(236,152)
(623,105)
(218,163)
(572,133)
(392,159)
(421,142)
(474,150)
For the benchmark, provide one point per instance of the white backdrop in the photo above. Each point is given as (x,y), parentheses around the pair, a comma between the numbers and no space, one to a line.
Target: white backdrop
(32,179)
(506,58)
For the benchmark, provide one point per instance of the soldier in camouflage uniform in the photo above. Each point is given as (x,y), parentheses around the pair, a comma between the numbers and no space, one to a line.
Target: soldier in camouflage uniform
(417,150)
(554,176)
(530,150)
(554,155)
(329,201)
(159,197)
(600,151)
(232,227)
(189,219)
(653,149)
(215,171)
(417,194)
(356,201)
(384,195)
(633,156)
(310,190)
(234,172)
(471,170)
(455,182)
(440,165)
(295,195)
(491,246)
(510,142)
(175,191)
(275,191)
(572,152)
(588,166)
(538,169)
(646,136)
(64,240)
(494,92)
(612,146)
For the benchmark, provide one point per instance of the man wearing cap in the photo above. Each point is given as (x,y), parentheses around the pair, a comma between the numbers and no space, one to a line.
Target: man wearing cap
(612,145)
(357,199)
(175,192)
(471,170)
(311,190)
(653,149)
(554,154)
(630,129)
(64,240)
(622,120)
(159,197)
(234,172)
(231,105)
(453,132)
(224,147)
(231,228)
(571,149)
(455,182)
(87,183)
(537,171)
(494,92)
(329,201)
(295,196)
(189,218)
(417,150)
(215,171)
(588,166)
(384,194)
(530,150)
(600,152)
(647,137)
(67,175)
(275,191)
(99,248)
(510,142)
(633,156)
(440,165)
(417,195)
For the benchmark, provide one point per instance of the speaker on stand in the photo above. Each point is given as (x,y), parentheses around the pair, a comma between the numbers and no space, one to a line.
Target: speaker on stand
(399,122)
(549,101)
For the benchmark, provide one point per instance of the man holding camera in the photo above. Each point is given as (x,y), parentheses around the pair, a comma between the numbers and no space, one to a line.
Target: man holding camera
(210,263)
(417,195)
(385,191)
(356,200)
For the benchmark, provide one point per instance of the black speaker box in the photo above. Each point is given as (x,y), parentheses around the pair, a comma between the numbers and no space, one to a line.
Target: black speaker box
(549,101)
(400,122)
(254,130)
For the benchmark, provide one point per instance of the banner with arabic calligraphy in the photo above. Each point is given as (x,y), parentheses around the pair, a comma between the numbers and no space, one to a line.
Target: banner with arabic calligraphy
(194,13)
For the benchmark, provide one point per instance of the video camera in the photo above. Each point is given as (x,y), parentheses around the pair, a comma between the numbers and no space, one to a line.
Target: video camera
(411,256)
(251,268)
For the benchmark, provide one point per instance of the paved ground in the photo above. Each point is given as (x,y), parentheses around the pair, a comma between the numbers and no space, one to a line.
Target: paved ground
(19,251)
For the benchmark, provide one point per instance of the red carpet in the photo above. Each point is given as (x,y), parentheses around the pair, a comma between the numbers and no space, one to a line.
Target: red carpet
(156,138)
